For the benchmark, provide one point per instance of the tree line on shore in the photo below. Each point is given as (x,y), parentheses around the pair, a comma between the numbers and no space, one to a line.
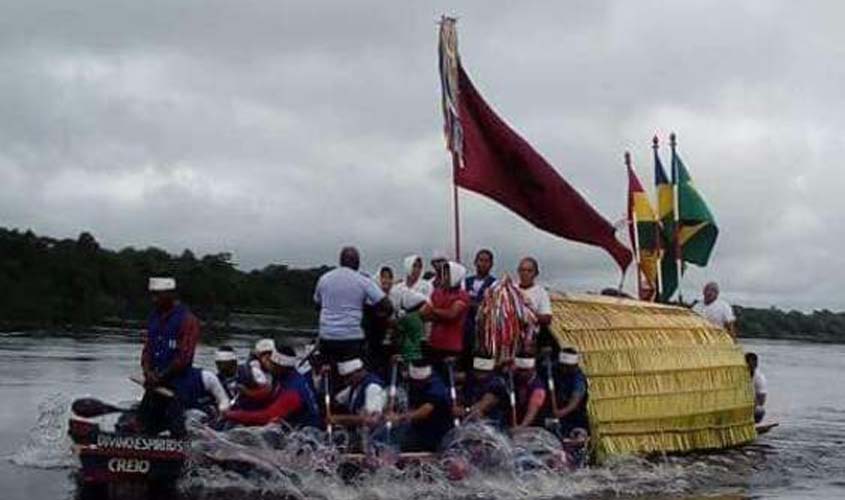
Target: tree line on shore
(66,282)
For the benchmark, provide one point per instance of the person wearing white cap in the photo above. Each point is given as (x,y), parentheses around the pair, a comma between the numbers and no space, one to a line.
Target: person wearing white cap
(167,360)
(293,400)
(572,395)
(341,295)
(428,418)
(255,379)
(413,280)
(363,398)
(226,362)
(447,311)
(530,392)
(485,394)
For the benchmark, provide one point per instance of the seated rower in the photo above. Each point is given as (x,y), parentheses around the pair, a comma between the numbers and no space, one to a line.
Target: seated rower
(572,396)
(428,418)
(362,400)
(760,386)
(255,379)
(485,394)
(226,362)
(292,399)
(530,393)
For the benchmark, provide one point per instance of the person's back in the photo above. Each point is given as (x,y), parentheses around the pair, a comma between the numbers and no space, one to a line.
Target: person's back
(342,294)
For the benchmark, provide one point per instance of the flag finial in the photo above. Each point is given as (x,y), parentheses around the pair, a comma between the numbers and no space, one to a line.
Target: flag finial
(655,142)
(627,158)
(672,140)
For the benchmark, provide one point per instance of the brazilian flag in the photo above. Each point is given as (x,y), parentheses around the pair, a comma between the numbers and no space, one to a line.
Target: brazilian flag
(695,232)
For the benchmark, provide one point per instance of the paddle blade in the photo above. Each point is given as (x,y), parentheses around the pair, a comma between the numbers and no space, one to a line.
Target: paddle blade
(91,407)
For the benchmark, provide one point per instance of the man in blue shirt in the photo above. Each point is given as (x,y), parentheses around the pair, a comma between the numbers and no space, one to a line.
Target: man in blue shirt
(341,295)
(476,286)
(485,394)
(429,415)
(572,395)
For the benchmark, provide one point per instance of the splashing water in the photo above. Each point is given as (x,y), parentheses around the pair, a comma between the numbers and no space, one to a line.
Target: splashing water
(47,445)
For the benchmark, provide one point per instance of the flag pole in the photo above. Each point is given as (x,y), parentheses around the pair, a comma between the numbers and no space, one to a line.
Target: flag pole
(457,210)
(676,209)
(658,240)
(635,232)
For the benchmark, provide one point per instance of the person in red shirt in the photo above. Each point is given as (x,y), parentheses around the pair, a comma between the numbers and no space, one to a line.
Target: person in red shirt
(447,311)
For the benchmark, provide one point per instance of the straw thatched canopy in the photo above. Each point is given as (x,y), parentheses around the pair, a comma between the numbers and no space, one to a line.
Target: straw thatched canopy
(661,378)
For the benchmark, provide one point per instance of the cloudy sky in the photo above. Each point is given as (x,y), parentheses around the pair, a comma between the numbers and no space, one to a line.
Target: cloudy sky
(280,131)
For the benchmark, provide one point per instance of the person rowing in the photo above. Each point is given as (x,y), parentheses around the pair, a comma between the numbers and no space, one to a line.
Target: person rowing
(226,362)
(485,395)
(167,361)
(362,400)
(255,377)
(292,400)
(428,418)
(572,395)
(530,393)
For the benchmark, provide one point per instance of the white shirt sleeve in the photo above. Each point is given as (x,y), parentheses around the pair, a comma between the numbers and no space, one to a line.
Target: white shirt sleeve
(727,313)
(374,293)
(760,384)
(213,386)
(342,397)
(544,303)
(258,374)
(317,290)
(375,399)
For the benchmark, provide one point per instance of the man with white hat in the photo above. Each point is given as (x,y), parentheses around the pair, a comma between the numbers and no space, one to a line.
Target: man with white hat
(167,360)
(572,395)
(255,378)
(363,398)
(292,401)
(485,394)
(429,415)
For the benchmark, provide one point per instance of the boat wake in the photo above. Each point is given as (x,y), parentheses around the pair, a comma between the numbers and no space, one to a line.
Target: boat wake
(271,462)
(47,445)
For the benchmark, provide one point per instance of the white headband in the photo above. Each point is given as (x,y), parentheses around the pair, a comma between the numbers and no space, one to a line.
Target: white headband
(419,372)
(265,345)
(566,358)
(223,356)
(282,359)
(484,364)
(161,284)
(346,367)
(524,363)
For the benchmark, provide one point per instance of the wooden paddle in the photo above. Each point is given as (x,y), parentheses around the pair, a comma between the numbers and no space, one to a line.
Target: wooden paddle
(92,407)
(161,391)
(453,393)
(512,394)
(391,393)
(327,400)
(550,381)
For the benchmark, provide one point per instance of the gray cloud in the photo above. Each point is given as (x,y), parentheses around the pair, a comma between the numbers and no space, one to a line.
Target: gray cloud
(280,131)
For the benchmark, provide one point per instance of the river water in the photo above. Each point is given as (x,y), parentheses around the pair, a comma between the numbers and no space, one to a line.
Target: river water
(803,458)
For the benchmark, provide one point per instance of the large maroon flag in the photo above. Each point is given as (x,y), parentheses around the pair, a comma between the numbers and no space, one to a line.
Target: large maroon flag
(496,162)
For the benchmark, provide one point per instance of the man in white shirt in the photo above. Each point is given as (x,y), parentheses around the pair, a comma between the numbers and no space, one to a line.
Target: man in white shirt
(716,310)
(341,295)
(760,386)
(364,397)
(537,298)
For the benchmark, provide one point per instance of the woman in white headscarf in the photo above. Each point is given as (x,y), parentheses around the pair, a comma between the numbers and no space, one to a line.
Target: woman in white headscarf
(413,278)
(447,312)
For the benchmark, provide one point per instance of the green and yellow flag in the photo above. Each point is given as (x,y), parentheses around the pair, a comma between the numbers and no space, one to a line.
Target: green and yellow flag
(644,232)
(688,225)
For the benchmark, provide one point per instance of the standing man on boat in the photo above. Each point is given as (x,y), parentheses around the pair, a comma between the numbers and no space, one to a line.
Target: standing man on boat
(167,360)
(476,286)
(537,299)
(341,295)
(760,386)
(716,310)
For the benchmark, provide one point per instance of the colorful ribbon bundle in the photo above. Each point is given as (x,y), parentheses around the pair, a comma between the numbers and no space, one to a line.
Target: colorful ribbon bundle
(505,326)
